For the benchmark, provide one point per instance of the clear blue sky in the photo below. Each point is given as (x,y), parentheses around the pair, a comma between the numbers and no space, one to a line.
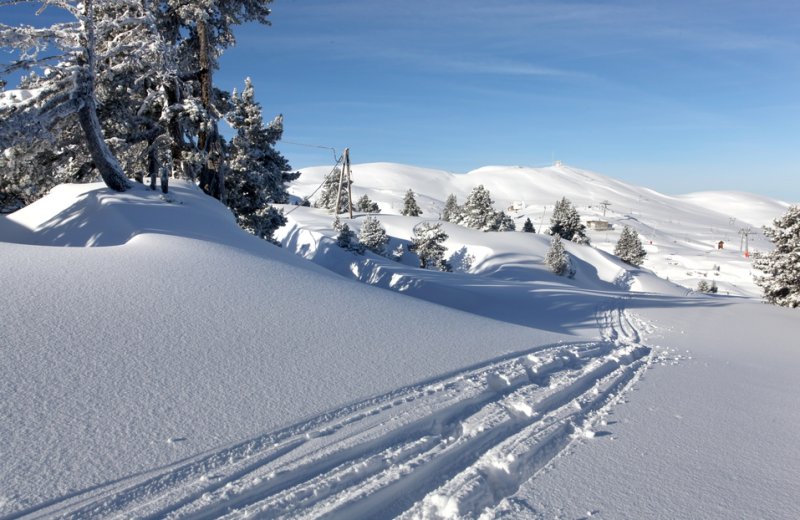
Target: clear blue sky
(675,95)
(678,96)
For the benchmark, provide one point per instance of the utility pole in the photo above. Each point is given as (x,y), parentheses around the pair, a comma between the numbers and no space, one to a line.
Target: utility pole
(605,205)
(349,183)
(345,165)
(542,223)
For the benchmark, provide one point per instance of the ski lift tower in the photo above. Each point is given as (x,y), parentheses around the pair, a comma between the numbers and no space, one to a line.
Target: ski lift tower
(745,240)
(605,205)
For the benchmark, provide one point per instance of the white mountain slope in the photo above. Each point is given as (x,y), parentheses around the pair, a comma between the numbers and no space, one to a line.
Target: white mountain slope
(685,230)
(189,370)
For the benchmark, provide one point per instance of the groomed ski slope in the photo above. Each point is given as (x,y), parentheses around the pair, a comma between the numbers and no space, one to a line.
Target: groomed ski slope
(189,370)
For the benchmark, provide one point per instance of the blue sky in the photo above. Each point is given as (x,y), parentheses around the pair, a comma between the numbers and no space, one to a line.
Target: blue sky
(678,96)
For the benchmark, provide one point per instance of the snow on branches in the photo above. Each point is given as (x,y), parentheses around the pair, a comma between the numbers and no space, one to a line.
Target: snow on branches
(629,248)
(428,244)
(110,41)
(780,284)
(477,213)
(566,222)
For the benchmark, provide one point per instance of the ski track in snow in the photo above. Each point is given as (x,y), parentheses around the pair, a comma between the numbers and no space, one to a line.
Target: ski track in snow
(454,447)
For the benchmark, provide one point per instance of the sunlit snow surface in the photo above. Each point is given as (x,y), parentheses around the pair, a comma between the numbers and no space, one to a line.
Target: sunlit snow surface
(190,370)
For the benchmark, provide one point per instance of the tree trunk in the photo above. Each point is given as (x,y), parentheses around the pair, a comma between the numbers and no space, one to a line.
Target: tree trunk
(204,76)
(211,180)
(103,159)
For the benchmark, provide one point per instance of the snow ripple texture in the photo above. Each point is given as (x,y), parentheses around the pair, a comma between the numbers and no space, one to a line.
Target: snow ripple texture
(451,448)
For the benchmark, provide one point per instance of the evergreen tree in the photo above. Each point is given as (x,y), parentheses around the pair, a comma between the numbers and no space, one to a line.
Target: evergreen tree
(345,239)
(556,258)
(629,248)
(397,254)
(200,30)
(477,211)
(373,236)
(365,205)
(713,287)
(327,198)
(451,209)
(528,226)
(410,208)
(566,222)
(65,107)
(428,244)
(503,222)
(257,174)
(703,286)
(780,284)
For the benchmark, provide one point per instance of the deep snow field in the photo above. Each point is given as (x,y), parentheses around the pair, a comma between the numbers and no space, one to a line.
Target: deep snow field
(158,362)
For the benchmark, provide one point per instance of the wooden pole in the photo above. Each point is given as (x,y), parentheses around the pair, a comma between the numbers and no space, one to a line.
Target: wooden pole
(341,180)
(349,185)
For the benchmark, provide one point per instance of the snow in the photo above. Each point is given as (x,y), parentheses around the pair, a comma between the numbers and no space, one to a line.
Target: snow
(9,98)
(186,327)
(684,230)
(157,361)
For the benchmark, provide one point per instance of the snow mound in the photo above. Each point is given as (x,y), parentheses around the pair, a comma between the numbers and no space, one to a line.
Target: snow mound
(190,329)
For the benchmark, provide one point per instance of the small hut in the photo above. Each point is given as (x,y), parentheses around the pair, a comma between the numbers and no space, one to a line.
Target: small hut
(599,225)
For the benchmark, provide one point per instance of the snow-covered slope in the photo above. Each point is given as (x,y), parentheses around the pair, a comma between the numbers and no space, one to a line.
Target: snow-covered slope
(186,328)
(158,362)
(684,230)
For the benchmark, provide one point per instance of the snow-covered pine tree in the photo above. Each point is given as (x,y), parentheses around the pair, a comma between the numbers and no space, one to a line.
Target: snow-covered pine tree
(345,240)
(257,173)
(566,222)
(201,30)
(528,226)
(636,252)
(703,286)
(365,205)
(477,211)
(623,244)
(327,197)
(134,68)
(503,222)
(410,208)
(629,248)
(428,244)
(556,258)
(780,284)
(67,92)
(451,209)
(397,254)
(713,287)
(373,236)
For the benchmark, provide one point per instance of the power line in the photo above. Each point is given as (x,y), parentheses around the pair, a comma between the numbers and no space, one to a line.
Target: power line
(311,146)
(323,180)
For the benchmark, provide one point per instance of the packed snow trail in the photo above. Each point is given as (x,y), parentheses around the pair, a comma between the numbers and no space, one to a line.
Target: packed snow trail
(447,448)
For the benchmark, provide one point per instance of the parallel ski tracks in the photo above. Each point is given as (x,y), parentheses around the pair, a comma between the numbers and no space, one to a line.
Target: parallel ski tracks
(448,448)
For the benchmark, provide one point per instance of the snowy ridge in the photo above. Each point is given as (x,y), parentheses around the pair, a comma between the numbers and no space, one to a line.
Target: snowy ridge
(454,445)
(684,230)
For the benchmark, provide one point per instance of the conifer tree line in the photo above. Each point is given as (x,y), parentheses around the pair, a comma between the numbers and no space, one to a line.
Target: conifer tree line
(477,212)
(129,95)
